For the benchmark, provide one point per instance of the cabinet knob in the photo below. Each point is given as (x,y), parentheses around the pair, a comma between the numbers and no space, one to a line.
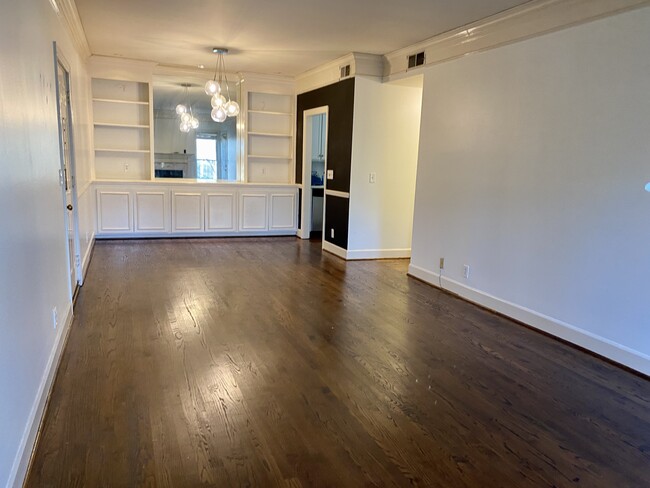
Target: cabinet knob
(69,207)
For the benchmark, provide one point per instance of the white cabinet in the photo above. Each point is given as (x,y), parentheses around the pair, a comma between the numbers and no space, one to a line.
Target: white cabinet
(146,209)
(187,211)
(114,212)
(282,211)
(252,211)
(151,211)
(220,211)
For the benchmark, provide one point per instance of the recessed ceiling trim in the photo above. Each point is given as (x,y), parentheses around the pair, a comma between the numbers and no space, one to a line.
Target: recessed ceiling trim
(532,19)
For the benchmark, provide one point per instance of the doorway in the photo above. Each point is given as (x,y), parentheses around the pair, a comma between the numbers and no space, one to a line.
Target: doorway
(314,171)
(67,171)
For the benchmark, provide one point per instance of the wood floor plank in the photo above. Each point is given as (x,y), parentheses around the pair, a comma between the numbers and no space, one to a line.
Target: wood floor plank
(265,362)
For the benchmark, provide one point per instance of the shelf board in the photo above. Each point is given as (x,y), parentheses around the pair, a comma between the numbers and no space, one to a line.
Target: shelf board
(268,134)
(261,156)
(113,100)
(101,149)
(268,112)
(131,126)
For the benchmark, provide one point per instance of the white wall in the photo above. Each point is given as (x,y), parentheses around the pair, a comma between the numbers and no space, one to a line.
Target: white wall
(33,266)
(384,141)
(532,165)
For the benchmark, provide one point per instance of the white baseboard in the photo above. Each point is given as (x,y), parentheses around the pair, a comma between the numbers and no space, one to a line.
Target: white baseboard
(185,235)
(24,454)
(336,250)
(604,347)
(378,254)
(362,254)
(86,259)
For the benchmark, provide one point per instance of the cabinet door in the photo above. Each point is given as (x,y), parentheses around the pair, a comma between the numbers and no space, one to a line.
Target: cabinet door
(253,212)
(114,212)
(283,211)
(187,212)
(151,214)
(220,212)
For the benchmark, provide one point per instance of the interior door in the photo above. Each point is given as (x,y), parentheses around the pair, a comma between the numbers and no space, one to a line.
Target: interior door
(67,171)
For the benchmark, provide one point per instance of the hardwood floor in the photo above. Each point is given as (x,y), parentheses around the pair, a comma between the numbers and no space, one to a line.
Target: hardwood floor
(262,362)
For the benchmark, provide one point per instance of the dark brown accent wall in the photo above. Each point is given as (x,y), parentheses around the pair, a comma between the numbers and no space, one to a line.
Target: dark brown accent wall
(339,97)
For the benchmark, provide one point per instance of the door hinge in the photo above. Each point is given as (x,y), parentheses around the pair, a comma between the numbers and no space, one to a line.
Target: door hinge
(61,177)
(77,261)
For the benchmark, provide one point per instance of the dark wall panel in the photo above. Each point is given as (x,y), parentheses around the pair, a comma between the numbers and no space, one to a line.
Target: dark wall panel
(337,212)
(339,97)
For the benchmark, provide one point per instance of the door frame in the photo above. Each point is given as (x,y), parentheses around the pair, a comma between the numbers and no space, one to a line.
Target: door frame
(306,204)
(59,59)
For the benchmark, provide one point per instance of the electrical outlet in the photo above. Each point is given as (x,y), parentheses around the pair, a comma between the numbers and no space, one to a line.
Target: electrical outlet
(466,271)
(330,174)
(372,177)
(55,317)
(332,232)
(442,263)
(126,167)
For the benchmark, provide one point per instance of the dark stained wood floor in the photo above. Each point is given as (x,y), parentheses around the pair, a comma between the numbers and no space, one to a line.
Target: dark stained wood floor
(262,362)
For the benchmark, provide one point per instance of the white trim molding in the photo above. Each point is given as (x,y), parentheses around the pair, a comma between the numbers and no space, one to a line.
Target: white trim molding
(334,249)
(361,64)
(362,254)
(570,333)
(72,21)
(28,442)
(531,19)
(366,254)
(336,193)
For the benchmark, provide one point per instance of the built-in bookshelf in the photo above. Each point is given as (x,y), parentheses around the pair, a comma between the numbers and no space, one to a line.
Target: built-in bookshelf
(269,137)
(122,129)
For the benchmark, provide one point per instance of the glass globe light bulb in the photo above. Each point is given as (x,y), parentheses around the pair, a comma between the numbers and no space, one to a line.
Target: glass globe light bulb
(181,109)
(217,101)
(232,108)
(185,127)
(194,123)
(185,117)
(218,114)
(212,87)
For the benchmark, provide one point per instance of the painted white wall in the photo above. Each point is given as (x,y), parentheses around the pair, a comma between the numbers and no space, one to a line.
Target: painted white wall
(532,165)
(33,265)
(384,141)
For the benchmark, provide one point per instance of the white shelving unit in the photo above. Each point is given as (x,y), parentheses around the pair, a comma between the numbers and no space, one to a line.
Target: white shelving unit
(269,144)
(122,129)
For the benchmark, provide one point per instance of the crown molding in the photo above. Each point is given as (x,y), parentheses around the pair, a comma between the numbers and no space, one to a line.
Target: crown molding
(361,64)
(70,16)
(529,20)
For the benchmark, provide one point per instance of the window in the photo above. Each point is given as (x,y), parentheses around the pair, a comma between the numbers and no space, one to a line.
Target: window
(215,158)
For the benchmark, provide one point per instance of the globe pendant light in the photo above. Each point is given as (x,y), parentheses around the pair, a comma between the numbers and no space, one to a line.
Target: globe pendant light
(188,121)
(222,106)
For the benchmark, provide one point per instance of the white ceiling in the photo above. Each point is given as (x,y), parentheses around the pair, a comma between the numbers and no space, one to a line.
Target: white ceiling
(285,37)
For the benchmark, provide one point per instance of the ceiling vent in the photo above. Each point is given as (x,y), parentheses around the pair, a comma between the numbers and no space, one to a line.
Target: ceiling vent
(345,71)
(416,60)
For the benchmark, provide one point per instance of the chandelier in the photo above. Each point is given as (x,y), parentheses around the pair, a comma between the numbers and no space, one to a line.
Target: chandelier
(188,121)
(222,106)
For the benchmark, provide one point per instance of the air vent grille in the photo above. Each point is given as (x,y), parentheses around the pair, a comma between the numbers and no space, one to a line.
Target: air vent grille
(345,71)
(416,60)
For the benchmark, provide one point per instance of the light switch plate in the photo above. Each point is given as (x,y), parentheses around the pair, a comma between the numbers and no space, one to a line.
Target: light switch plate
(372,177)
(330,174)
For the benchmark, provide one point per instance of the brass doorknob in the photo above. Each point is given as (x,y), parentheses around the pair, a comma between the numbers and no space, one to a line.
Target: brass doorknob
(69,207)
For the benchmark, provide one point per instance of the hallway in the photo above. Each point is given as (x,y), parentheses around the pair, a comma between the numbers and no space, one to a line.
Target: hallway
(264,362)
